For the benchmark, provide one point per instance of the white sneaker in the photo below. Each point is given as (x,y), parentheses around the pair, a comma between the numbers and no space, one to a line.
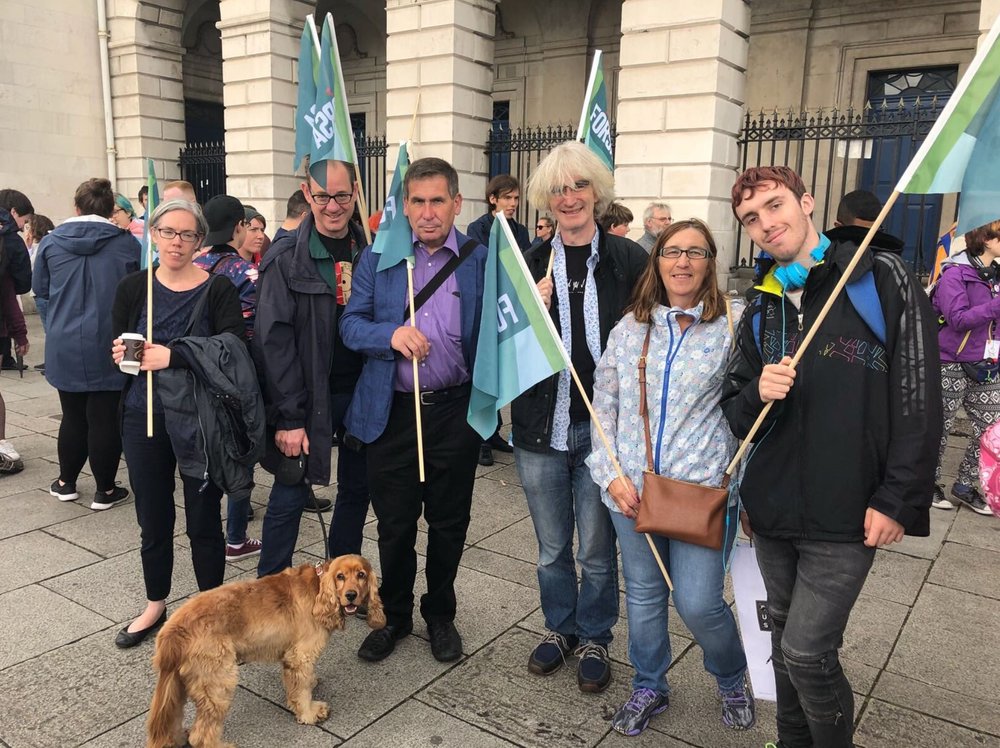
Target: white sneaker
(7,449)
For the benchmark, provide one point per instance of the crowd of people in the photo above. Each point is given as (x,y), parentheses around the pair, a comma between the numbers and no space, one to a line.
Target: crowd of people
(307,344)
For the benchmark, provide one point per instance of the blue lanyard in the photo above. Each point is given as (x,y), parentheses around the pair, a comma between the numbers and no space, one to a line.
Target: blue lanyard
(671,355)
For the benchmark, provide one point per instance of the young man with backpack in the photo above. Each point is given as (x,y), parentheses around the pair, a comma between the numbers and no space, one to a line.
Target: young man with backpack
(844,461)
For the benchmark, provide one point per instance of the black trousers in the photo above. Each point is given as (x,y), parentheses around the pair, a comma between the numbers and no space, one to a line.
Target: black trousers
(151,465)
(451,452)
(89,428)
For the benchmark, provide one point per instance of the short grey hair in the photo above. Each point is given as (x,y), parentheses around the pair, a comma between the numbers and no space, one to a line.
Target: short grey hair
(647,214)
(171,205)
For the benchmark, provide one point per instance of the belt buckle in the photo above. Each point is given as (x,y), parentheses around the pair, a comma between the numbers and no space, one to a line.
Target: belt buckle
(423,395)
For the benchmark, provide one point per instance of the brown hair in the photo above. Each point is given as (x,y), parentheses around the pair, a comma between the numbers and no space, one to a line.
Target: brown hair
(500,185)
(95,197)
(753,178)
(649,289)
(975,240)
(615,215)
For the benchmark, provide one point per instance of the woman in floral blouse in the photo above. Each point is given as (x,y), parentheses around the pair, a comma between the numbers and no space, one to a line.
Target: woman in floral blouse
(678,301)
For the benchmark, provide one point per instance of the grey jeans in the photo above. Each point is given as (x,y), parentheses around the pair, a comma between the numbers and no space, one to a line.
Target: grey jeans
(811,588)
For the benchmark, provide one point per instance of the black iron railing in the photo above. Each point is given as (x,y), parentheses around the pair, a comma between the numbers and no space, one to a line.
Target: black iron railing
(837,151)
(204,166)
(371,168)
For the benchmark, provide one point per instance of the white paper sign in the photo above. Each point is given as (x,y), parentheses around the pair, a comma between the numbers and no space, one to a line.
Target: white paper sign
(755,620)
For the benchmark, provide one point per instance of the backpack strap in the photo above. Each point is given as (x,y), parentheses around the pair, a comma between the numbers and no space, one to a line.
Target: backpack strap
(864,298)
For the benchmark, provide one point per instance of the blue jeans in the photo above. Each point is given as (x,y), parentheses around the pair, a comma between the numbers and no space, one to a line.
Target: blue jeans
(281,527)
(237,518)
(562,494)
(812,586)
(698,574)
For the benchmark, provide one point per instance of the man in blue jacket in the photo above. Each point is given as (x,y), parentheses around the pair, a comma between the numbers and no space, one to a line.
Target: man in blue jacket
(382,414)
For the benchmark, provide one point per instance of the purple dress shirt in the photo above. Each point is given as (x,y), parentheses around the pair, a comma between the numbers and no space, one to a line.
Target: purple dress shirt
(440,320)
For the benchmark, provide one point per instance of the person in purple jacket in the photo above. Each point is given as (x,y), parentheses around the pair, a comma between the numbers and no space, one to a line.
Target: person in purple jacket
(967,298)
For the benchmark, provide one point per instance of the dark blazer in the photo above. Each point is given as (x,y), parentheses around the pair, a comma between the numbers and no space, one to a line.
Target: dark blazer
(373,314)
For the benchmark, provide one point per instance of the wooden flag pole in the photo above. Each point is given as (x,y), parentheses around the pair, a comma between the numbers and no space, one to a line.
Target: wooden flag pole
(552,257)
(149,333)
(814,328)
(416,377)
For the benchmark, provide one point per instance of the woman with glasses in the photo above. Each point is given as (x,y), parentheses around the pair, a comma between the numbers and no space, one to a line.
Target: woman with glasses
(77,268)
(680,310)
(186,301)
(123,216)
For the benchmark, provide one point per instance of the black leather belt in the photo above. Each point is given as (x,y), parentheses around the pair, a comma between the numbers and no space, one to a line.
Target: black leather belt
(436,397)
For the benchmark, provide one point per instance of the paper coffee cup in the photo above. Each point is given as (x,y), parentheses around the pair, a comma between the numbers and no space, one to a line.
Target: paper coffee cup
(134,343)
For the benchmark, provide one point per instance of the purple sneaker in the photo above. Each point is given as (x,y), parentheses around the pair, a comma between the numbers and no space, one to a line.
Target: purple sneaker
(634,715)
(738,708)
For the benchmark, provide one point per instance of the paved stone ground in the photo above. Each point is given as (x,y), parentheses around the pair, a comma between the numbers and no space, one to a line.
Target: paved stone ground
(921,649)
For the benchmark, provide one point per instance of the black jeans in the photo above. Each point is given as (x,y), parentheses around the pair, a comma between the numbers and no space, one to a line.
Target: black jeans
(351,507)
(451,454)
(811,588)
(89,428)
(151,465)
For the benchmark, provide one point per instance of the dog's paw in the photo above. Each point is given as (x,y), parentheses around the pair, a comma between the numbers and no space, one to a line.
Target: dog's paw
(317,712)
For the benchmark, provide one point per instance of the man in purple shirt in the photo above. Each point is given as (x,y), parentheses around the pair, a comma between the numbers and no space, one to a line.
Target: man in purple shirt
(382,415)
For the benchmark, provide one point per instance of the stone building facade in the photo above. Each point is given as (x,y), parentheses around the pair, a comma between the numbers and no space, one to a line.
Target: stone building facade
(681,76)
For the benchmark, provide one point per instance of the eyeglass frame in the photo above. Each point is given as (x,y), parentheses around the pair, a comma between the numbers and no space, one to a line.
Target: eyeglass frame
(695,223)
(324,199)
(197,235)
(563,190)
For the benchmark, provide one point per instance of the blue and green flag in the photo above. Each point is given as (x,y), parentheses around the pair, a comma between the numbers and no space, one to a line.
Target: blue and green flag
(962,151)
(595,121)
(394,240)
(152,200)
(518,344)
(305,110)
(331,120)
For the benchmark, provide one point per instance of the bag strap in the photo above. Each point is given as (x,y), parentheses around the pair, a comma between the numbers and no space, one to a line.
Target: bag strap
(441,276)
(729,321)
(199,306)
(643,404)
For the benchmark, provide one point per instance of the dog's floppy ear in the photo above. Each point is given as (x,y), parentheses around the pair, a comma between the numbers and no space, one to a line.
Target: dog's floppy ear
(376,614)
(326,609)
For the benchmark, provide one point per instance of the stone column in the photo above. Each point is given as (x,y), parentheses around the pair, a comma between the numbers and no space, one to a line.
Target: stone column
(988,11)
(145,51)
(681,90)
(443,51)
(260,51)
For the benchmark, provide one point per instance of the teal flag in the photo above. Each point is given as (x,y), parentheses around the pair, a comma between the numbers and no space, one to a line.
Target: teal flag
(394,240)
(595,122)
(518,344)
(331,120)
(305,110)
(152,200)
(962,151)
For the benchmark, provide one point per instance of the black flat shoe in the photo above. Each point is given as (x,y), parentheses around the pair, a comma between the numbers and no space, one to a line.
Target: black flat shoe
(127,639)
(446,643)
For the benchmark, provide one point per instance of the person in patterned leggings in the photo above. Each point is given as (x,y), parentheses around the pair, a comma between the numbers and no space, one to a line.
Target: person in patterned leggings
(967,298)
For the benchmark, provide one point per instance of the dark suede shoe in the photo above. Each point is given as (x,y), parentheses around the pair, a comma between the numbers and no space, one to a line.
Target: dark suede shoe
(485,455)
(551,652)
(593,672)
(380,644)
(498,443)
(127,639)
(446,642)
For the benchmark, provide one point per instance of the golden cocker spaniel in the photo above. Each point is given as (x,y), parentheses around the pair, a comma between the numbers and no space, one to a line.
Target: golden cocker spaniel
(284,618)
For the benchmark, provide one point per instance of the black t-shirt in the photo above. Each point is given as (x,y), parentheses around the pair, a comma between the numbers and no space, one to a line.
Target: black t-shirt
(347,364)
(583,362)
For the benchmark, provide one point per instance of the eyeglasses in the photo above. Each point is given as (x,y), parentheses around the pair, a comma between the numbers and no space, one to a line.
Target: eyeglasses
(119,209)
(692,253)
(188,237)
(578,186)
(341,198)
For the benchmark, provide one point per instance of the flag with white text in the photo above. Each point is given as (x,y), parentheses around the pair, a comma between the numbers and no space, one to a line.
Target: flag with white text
(595,121)
(394,240)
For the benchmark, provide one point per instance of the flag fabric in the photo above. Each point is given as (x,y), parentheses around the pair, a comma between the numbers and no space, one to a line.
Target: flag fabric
(152,200)
(331,123)
(943,253)
(394,240)
(962,151)
(518,344)
(306,107)
(595,123)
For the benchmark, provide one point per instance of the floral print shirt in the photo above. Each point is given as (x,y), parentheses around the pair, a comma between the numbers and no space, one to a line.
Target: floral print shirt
(695,443)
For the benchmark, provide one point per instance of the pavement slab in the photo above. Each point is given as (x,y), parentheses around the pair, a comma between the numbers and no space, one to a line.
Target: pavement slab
(23,609)
(896,577)
(976,530)
(107,533)
(415,725)
(969,569)
(951,640)
(886,726)
(872,630)
(34,556)
(978,713)
(35,509)
(517,541)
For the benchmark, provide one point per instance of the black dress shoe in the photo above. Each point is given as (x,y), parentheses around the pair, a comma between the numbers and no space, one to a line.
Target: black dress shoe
(446,643)
(380,644)
(498,443)
(127,639)
(316,505)
(485,455)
